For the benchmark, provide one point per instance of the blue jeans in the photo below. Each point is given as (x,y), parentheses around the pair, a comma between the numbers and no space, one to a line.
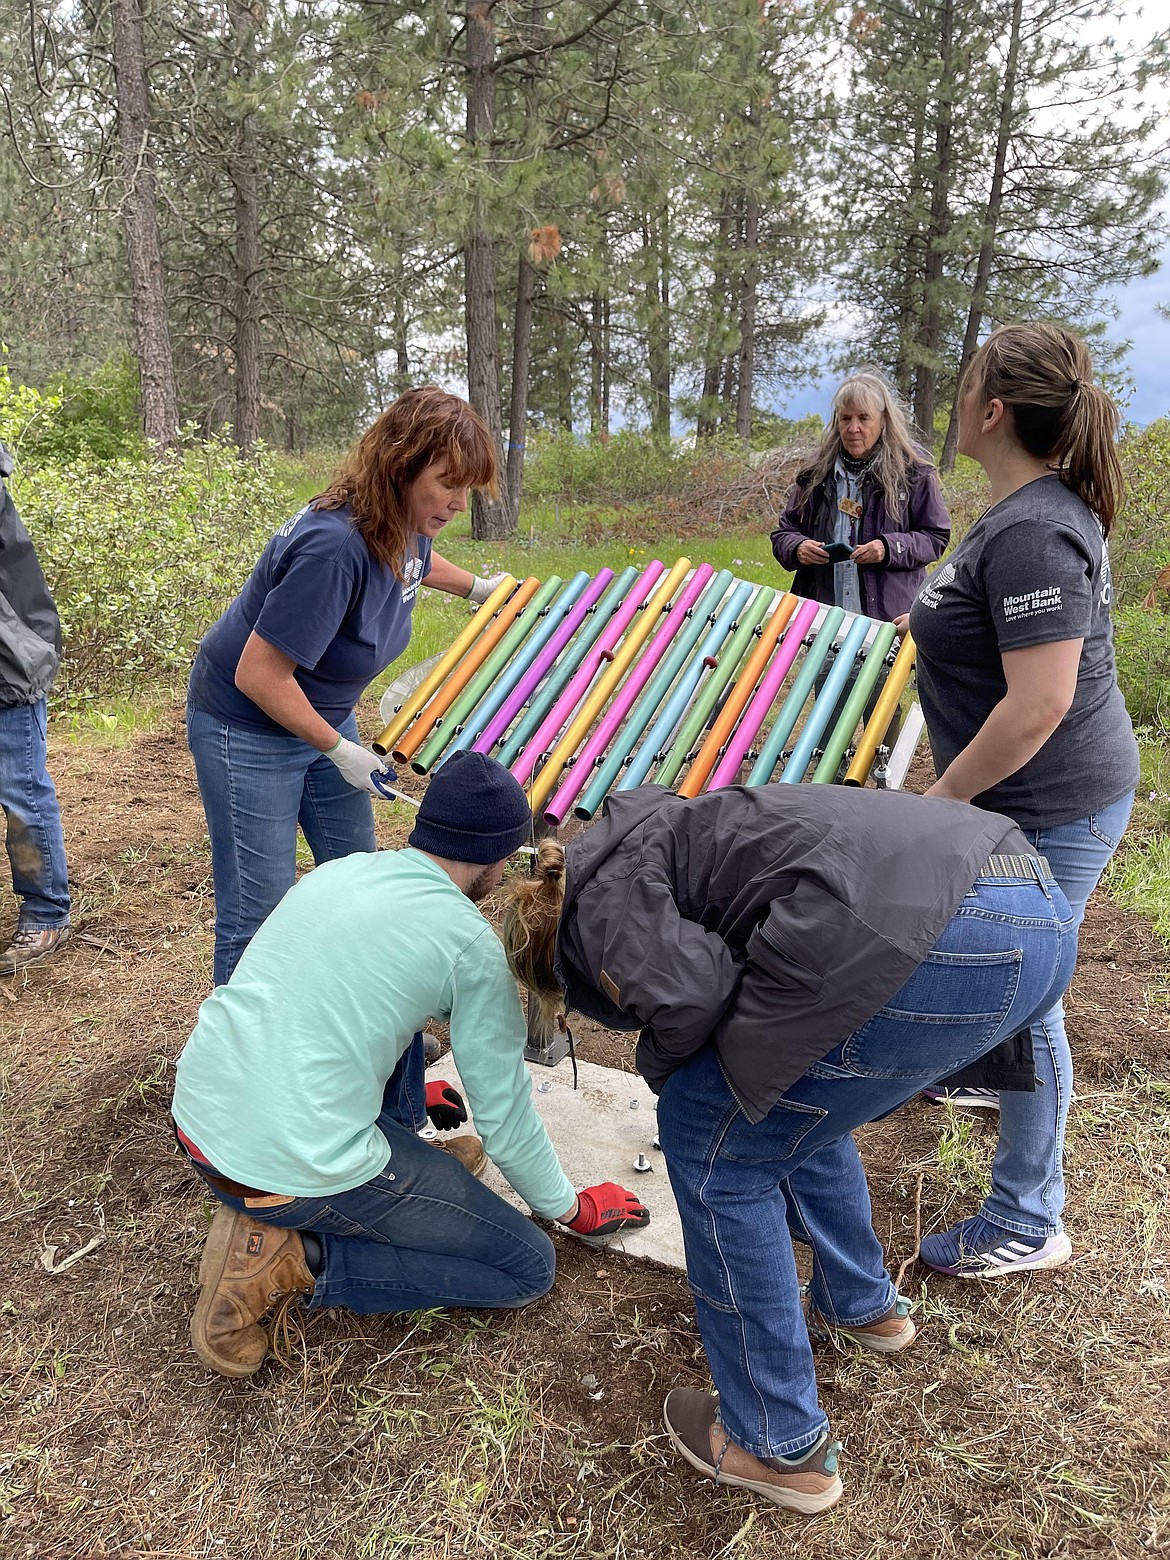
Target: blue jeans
(256,787)
(36,846)
(1027,1178)
(745,1191)
(422,1234)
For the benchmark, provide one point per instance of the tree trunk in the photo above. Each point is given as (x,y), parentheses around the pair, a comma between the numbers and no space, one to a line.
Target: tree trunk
(244,174)
(655,253)
(749,282)
(489,517)
(926,371)
(401,345)
(518,413)
(990,229)
(152,336)
(717,330)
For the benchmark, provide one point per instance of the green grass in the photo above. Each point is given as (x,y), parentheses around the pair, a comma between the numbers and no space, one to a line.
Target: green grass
(1139,875)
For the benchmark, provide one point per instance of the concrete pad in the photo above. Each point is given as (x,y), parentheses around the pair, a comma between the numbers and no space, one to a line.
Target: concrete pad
(598,1131)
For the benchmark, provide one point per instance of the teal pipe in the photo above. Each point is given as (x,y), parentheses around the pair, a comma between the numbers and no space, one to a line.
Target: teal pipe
(867,677)
(559,676)
(761,771)
(721,678)
(656,690)
(676,706)
(553,619)
(455,720)
(826,701)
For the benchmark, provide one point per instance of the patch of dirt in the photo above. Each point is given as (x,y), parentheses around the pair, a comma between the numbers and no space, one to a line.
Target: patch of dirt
(1030,1419)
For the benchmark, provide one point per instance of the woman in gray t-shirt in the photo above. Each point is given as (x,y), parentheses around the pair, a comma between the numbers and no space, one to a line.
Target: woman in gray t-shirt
(1019,687)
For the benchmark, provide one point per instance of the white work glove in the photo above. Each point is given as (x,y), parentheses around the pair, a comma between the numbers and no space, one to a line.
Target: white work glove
(358,765)
(482,589)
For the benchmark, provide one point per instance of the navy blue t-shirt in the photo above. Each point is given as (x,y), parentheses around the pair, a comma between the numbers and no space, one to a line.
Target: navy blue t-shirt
(317,595)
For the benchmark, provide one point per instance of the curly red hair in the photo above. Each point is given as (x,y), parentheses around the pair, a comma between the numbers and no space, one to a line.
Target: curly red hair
(422,427)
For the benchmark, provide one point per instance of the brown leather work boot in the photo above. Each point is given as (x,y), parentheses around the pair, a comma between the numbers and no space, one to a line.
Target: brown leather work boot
(245,1269)
(808,1484)
(468,1150)
(889,1334)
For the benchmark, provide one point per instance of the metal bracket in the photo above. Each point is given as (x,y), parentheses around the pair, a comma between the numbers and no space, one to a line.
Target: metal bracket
(546,1044)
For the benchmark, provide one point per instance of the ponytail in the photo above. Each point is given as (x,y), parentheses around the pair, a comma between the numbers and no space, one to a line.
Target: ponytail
(531,918)
(1044,376)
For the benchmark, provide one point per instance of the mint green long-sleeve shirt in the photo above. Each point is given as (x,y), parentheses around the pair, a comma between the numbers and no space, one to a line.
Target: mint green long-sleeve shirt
(281,1082)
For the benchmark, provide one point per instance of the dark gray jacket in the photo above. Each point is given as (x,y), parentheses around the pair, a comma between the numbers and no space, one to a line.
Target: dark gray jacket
(775,919)
(30,630)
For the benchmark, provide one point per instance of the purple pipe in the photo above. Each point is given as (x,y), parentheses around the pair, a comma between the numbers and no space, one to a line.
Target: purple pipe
(539,669)
(761,701)
(586,672)
(606,729)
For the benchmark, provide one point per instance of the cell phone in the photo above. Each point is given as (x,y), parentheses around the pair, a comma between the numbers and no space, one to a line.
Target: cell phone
(839,552)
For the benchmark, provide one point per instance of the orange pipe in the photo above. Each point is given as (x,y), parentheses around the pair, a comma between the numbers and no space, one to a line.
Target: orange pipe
(465,671)
(595,700)
(410,707)
(745,685)
(883,711)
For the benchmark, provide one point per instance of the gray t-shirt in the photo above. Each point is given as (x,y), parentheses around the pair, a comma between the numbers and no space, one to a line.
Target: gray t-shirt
(1033,571)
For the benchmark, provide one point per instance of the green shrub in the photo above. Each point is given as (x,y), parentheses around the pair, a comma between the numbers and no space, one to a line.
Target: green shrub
(142,556)
(1142,639)
(91,417)
(1140,543)
(629,467)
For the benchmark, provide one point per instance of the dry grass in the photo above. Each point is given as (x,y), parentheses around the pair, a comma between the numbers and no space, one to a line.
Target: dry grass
(1030,1420)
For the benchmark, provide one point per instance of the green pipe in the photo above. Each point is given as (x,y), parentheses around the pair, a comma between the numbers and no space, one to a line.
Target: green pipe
(560,674)
(761,771)
(721,678)
(867,677)
(657,689)
(451,722)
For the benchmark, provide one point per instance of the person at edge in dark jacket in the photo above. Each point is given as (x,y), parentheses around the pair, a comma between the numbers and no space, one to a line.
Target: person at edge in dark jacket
(30,652)
(1018,683)
(798,960)
(865,517)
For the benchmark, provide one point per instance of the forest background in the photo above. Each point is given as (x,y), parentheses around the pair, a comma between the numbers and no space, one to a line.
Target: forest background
(233,231)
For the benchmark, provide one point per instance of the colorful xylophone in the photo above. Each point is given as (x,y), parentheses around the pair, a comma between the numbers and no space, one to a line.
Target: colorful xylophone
(602,683)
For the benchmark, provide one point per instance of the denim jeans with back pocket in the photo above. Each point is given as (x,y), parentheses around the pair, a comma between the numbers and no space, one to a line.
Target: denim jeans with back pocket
(745,1191)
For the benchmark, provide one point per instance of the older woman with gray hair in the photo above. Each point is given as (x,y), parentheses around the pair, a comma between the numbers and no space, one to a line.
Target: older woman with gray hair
(866,515)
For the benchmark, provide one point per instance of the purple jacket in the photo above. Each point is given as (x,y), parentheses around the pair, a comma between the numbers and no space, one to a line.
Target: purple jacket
(914,537)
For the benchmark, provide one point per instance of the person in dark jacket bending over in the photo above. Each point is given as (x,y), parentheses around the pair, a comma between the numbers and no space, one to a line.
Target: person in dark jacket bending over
(799,960)
(865,516)
(30,651)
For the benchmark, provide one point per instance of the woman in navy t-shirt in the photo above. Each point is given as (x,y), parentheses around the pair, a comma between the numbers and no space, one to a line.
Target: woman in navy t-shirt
(270,713)
(1019,688)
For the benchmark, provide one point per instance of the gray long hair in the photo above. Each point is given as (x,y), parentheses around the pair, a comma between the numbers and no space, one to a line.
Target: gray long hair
(895,453)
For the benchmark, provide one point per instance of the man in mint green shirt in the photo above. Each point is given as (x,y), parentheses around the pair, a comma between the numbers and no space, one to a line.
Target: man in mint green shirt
(301,1091)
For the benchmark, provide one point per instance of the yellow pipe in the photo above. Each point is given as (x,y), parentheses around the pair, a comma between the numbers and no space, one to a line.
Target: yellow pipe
(390,733)
(744,687)
(596,699)
(883,713)
(405,749)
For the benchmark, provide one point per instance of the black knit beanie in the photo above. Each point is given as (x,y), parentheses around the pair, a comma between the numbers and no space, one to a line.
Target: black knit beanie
(474,811)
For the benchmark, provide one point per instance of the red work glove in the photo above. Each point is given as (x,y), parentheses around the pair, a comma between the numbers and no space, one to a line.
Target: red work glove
(445,1105)
(607,1210)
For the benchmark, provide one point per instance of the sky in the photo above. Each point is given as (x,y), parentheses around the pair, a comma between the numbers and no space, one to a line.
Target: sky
(1138,321)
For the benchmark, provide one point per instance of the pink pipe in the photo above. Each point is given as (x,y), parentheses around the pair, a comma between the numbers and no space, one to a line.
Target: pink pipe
(602,651)
(623,701)
(539,669)
(761,701)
